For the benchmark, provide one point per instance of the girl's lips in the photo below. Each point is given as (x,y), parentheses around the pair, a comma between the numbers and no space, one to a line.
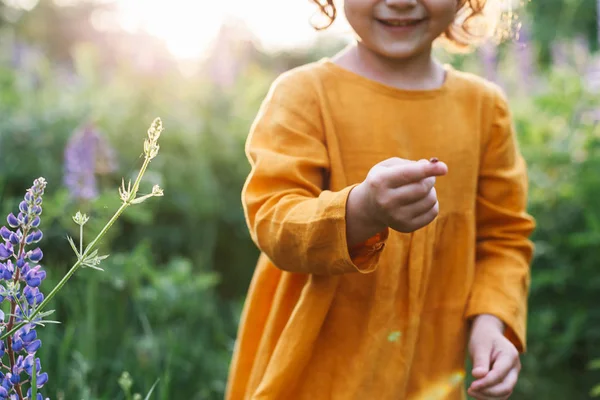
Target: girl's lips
(400,26)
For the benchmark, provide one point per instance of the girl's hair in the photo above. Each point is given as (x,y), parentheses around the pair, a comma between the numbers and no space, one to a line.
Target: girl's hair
(470,26)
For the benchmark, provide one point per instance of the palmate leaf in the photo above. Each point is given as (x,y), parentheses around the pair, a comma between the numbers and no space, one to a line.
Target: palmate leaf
(93,260)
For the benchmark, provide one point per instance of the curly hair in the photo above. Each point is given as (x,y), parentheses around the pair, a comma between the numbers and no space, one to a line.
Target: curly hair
(470,26)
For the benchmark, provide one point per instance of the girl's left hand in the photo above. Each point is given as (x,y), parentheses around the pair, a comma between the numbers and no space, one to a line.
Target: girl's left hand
(496,363)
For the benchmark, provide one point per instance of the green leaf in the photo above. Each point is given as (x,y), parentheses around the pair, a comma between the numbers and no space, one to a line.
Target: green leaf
(141,199)
(73,246)
(46,321)
(96,268)
(151,390)
(595,392)
(45,313)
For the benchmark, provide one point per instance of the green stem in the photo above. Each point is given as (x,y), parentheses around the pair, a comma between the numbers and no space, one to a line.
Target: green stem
(33,381)
(136,184)
(80,238)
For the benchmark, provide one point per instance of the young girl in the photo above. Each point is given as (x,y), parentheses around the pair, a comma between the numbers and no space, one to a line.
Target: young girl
(376,278)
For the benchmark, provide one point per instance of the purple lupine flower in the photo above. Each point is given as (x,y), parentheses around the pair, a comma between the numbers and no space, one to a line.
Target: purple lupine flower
(35,255)
(580,53)
(13,222)
(5,251)
(5,233)
(559,53)
(33,295)
(87,154)
(39,395)
(525,57)
(80,164)
(26,338)
(35,276)
(6,270)
(488,55)
(15,377)
(592,80)
(20,264)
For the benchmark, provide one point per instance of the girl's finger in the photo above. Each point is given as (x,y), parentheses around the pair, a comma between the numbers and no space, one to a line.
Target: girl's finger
(500,369)
(405,174)
(413,192)
(426,217)
(504,388)
(421,207)
(394,161)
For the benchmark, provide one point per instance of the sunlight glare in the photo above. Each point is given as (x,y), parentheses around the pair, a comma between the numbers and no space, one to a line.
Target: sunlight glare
(184,25)
(441,389)
(26,5)
(188,27)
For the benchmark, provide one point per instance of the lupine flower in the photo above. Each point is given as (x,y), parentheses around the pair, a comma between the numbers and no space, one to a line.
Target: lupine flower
(488,55)
(525,57)
(559,53)
(86,155)
(20,279)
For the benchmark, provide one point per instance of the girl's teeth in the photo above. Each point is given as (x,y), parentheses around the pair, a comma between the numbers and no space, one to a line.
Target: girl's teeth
(391,23)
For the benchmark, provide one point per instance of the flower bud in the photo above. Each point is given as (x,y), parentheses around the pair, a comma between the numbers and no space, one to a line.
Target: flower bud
(14,239)
(6,251)
(35,255)
(30,238)
(41,381)
(15,378)
(33,346)
(5,233)
(13,222)
(29,336)
(17,345)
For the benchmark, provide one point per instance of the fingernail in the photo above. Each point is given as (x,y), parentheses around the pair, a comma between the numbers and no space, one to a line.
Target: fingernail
(433,160)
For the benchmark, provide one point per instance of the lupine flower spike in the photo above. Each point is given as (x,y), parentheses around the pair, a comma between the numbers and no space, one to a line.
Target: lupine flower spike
(21,276)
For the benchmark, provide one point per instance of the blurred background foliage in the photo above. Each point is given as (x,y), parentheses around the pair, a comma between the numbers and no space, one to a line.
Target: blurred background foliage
(168,303)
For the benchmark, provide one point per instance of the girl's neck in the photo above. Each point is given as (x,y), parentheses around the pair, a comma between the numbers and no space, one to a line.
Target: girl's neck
(421,72)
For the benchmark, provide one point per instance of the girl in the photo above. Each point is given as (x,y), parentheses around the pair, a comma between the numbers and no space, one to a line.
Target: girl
(382,266)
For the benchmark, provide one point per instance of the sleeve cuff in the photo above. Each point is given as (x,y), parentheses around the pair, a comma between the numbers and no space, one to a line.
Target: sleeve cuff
(363,257)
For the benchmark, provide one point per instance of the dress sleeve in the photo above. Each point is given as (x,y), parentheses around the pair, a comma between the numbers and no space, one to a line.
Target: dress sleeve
(503,248)
(294,221)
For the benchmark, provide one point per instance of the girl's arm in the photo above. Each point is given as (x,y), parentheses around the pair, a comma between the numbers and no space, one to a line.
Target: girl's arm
(503,248)
(298,225)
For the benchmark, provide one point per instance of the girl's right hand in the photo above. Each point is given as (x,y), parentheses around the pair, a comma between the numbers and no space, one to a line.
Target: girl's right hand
(400,193)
